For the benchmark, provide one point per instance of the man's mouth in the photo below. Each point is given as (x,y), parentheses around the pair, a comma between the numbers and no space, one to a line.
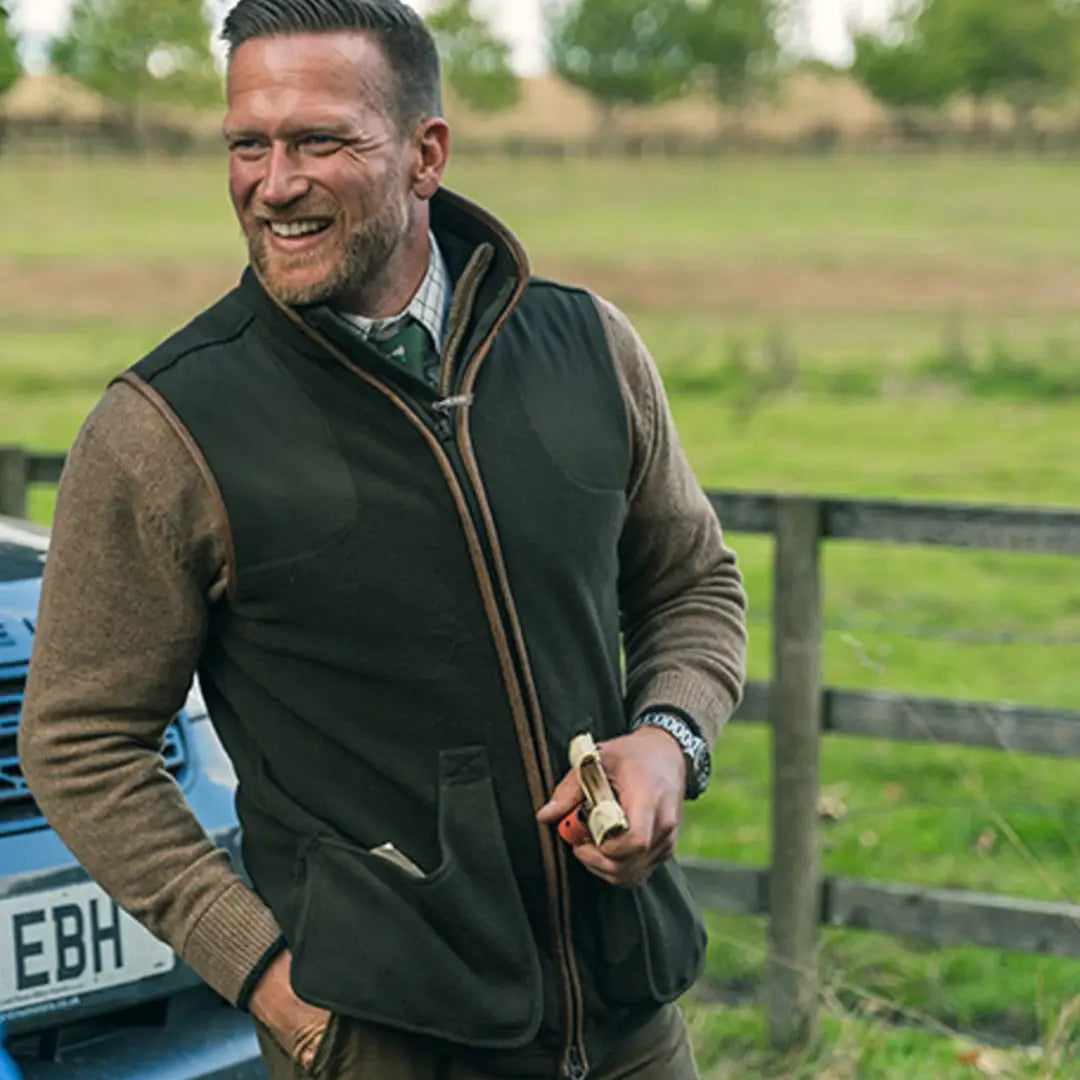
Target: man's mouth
(291,230)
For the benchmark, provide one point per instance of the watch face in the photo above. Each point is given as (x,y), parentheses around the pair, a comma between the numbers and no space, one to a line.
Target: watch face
(702,762)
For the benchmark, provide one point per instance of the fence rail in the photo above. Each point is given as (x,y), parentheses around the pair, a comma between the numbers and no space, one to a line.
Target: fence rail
(940,916)
(794,893)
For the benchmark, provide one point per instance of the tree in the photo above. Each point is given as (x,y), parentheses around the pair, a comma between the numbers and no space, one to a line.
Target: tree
(1024,52)
(137,52)
(735,42)
(10,66)
(477,62)
(903,69)
(621,57)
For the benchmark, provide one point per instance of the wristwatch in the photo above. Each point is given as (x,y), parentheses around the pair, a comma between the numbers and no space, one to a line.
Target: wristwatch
(695,749)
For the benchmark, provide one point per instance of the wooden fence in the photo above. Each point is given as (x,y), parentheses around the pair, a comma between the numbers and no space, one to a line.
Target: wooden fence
(794,893)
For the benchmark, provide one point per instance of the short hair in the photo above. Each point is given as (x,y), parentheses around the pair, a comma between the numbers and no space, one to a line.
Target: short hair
(405,40)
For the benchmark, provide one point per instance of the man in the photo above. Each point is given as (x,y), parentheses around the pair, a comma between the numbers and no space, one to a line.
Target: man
(405,509)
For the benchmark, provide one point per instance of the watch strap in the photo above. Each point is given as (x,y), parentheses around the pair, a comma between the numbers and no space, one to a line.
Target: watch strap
(695,749)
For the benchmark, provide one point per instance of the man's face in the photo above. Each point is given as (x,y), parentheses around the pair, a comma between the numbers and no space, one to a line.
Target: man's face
(319,174)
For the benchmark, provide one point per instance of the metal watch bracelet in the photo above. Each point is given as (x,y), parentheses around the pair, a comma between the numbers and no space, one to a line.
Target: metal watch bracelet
(693,746)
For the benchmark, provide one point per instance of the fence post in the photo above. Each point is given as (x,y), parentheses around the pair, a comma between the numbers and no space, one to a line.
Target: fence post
(795,876)
(13,481)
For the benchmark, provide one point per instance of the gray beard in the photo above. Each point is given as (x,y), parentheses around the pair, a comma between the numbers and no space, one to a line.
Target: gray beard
(370,246)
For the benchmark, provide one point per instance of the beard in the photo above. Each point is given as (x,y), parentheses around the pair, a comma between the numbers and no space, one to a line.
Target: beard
(348,268)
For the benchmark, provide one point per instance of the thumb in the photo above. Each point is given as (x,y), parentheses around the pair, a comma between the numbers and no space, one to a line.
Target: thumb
(564,798)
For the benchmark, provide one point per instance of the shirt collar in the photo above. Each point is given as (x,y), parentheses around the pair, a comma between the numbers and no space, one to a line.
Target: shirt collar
(429,305)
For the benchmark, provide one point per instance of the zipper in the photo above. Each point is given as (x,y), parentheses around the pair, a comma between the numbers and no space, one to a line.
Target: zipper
(574,1061)
(575,1070)
(438,421)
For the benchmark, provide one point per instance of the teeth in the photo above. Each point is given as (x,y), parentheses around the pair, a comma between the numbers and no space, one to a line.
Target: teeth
(296,228)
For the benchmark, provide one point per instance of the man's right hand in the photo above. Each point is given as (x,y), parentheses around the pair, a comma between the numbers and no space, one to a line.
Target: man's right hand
(298,1027)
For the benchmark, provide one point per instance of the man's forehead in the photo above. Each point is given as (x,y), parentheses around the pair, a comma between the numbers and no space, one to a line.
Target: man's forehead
(285,122)
(346,67)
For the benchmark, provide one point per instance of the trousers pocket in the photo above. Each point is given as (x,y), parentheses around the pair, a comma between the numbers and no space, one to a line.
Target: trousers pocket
(652,939)
(449,954)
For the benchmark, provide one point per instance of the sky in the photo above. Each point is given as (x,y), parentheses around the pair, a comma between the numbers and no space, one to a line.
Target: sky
(823,28)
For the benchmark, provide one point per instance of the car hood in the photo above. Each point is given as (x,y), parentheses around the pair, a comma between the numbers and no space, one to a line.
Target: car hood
(19,599)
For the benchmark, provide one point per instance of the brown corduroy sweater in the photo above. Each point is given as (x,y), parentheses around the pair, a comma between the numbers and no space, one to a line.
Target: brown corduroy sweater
(140,554)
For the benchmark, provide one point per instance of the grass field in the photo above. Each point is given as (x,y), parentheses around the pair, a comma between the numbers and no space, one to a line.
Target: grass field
(886,327)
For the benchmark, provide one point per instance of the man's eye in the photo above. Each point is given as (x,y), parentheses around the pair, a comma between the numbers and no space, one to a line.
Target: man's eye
(321,143)
(246,147)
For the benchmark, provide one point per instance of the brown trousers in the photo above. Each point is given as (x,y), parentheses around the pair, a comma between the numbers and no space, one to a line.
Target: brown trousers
(354,1050)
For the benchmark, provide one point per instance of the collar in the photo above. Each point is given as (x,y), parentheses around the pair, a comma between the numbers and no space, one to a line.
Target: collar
(430,305)
(462,228)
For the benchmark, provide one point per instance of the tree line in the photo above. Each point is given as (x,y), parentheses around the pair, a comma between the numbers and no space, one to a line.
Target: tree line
(1024,53)
(619,52)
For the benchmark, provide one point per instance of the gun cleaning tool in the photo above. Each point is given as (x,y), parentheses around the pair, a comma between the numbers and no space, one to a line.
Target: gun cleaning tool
(600,817)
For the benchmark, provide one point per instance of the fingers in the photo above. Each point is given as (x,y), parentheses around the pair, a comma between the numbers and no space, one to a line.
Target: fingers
(308,1038)
(631,858)
(647,770)
(624,872)
(564,798)
(653,821)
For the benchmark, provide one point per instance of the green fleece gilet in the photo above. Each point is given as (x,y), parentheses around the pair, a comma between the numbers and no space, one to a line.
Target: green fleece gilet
(356,680)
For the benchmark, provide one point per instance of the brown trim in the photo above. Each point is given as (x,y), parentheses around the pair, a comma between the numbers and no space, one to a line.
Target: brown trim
(141,386)
(473,469)
(489,221)
(577,1008)
(460,308)
(564,942)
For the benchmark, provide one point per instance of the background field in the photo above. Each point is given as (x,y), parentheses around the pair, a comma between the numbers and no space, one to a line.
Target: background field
(875,326)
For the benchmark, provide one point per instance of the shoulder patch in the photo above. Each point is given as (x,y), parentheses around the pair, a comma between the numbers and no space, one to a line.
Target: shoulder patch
(541,283)
(218,325)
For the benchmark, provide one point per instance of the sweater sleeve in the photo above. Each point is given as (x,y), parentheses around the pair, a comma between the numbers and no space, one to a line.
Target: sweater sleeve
(680,589)
(139,553)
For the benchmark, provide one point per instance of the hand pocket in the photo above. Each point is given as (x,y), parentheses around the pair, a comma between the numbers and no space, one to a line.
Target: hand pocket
(323,1051)
(448,954)
(652,939)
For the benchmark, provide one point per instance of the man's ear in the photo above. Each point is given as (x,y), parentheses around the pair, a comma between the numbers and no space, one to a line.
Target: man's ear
(431,141)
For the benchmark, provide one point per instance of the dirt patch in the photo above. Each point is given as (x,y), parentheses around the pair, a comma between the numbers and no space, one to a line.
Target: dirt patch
(123,291)
(152,292)
(771,290)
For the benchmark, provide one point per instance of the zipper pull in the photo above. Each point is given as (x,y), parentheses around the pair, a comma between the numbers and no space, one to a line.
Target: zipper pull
(444,426)
(574,1068)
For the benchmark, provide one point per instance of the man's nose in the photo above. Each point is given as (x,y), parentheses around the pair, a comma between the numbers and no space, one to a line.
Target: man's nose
(283,183)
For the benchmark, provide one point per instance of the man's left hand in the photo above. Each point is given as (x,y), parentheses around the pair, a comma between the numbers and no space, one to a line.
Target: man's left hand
(648,771)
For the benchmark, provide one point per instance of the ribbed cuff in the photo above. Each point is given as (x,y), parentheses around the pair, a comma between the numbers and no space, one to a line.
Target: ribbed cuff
(233,943)
(699,704)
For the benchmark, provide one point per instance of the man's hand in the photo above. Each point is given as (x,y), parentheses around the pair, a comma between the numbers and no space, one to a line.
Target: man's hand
(648,771)
(298,1027)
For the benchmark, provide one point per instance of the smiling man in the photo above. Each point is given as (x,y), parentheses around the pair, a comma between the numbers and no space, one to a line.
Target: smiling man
(406,510)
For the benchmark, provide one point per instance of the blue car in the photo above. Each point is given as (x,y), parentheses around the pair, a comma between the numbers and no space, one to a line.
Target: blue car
(85,992)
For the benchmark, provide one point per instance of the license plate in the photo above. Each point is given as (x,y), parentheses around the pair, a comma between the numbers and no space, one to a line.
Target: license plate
(68,941)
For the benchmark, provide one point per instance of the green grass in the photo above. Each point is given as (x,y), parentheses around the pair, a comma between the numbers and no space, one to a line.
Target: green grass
(830,212)
(949,816)
(860,1046)
(146,211)
(880,395)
